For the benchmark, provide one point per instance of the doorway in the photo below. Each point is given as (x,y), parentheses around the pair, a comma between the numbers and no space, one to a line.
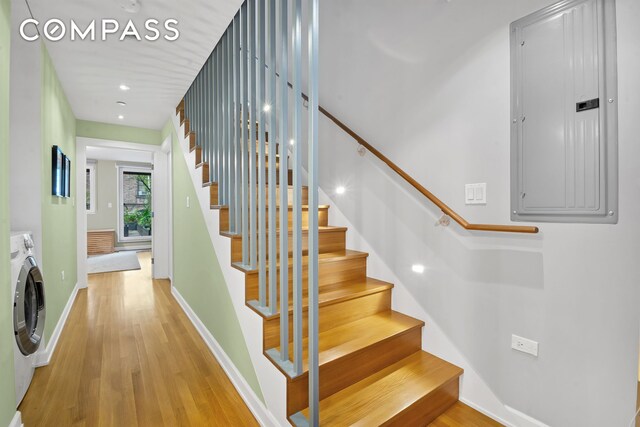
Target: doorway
(122,213)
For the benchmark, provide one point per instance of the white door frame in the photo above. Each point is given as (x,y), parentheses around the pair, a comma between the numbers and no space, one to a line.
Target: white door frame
(162,243)
(162,229)
(125,168)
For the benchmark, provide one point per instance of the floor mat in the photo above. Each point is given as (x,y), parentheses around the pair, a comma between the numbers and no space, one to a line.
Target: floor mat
(119,261)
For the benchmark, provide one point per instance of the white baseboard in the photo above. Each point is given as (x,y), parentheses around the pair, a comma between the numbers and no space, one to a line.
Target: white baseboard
(524,419)
(487,413)
(43,357)
(517,418)
(17,420)
(259,410)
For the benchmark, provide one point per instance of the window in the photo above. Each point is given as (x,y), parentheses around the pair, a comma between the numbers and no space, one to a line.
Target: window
(143,188)
(134,203)
(91,188)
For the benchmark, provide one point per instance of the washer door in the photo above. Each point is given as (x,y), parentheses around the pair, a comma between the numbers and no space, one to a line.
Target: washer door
(29,308)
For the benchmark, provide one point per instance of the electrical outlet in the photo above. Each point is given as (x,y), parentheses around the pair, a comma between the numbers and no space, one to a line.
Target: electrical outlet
(188,202)
(62,275)
(524,345)
(109,205)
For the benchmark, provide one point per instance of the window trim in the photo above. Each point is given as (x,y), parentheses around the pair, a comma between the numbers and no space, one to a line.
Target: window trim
(92,188)
(121,170)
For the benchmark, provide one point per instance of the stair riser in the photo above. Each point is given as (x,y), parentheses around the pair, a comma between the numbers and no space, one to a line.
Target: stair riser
(289,176)
(428,408)
(323,218)
(332,241)
(205,172)
(330,316)
(187,127)
(348,370)
(199,159)
(213,194)
(214,201)
(328,273)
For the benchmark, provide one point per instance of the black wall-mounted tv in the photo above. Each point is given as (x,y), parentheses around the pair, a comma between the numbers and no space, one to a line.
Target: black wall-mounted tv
(60,173)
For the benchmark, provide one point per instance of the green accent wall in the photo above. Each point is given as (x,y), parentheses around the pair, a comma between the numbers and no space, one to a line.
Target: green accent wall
(58,214)
(167,130)
(197,274)
(112,132)
(7,391)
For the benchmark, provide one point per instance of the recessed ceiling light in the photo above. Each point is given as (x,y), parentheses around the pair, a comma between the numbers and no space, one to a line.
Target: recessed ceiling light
(266,108)
(340,190)
(417,268)
(124,87)
(121,117)
(121,103)
(291,141)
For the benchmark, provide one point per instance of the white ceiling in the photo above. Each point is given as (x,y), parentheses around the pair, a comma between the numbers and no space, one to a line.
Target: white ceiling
(119,155)
(158,73)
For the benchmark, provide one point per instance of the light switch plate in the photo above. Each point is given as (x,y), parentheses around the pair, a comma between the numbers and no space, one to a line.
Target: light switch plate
(475,194)
(524,345)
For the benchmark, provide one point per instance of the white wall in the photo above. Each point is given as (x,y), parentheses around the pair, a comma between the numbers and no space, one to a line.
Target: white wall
(26,143)
(427,82)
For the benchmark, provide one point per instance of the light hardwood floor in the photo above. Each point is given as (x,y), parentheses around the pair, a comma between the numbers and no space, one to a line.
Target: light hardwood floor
(128,356)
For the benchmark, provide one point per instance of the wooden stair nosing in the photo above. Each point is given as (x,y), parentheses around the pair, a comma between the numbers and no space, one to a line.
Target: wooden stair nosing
(322,258)
(330,239)
(362,334)
(290,207)
(336,307)
(305,230)
(351,352)
(424,373)
(327,295)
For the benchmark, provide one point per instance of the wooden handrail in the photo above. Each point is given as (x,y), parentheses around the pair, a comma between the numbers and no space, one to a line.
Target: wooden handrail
(429,195)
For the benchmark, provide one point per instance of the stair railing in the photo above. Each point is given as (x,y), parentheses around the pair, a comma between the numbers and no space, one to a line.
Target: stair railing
(243,121)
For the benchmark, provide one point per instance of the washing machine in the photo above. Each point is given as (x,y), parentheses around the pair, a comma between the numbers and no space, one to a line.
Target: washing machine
(28,309)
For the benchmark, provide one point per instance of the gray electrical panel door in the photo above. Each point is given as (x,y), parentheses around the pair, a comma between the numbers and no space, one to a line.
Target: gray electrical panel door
(564,124)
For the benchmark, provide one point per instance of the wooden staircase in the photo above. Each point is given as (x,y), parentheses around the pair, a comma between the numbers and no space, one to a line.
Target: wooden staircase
(373,370)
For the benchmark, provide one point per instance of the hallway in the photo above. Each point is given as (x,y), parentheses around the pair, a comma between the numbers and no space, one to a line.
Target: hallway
(128,356)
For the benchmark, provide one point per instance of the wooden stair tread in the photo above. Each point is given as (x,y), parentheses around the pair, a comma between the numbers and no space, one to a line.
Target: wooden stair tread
(322,257)
(304,187)
(339,292)
(290,207)
(305,230)
(358,335)
(387,393)
(350,289)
